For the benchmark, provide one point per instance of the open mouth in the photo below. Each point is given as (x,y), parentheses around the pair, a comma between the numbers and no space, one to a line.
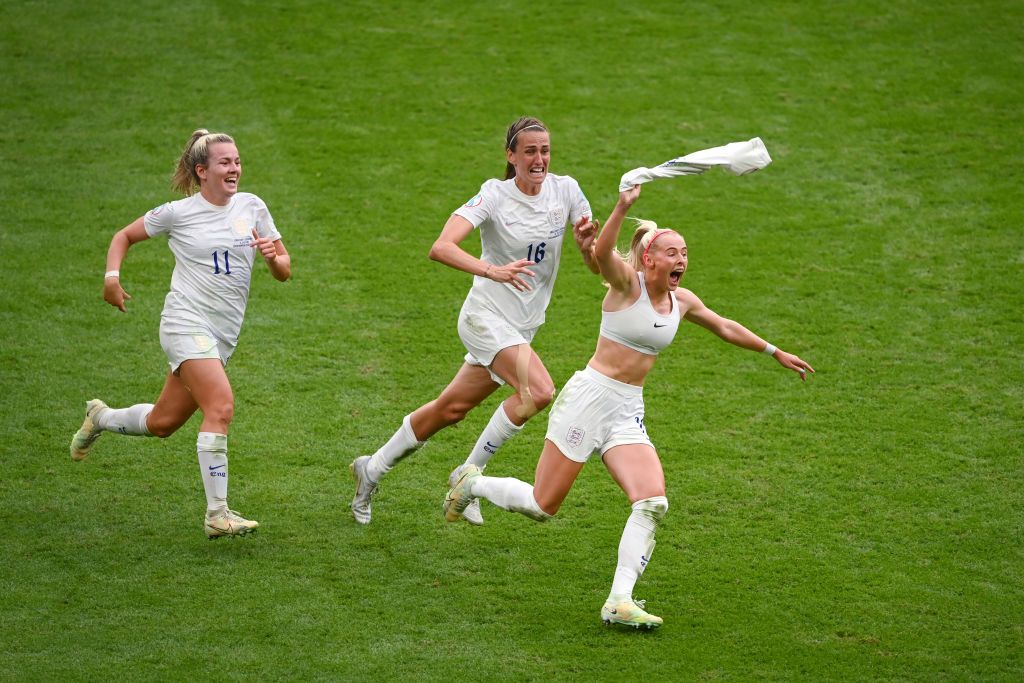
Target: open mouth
(674,277)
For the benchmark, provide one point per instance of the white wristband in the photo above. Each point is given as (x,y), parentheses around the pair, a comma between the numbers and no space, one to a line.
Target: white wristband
(770,349)
(112,273)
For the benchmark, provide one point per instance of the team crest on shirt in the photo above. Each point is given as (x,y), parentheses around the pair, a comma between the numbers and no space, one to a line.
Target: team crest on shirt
(241,227)
(574,437)
(475,201)
(557,219)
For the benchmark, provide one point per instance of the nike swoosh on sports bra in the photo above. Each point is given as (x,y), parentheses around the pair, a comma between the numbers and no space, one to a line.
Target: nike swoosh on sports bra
(640,327)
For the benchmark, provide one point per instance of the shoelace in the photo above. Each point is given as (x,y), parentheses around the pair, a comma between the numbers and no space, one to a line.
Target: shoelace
(640,603)
(233,516)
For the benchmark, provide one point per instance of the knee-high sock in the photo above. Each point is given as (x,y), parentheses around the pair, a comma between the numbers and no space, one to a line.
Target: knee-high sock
(402,444)
(637,544)
(509,494)
(130,421)
(499,429)
(212,449)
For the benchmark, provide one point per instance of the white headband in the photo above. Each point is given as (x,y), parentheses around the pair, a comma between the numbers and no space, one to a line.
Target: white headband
(508,145)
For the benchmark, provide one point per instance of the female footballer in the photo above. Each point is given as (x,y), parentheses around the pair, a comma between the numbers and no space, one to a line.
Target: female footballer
(214,233)
(601,408)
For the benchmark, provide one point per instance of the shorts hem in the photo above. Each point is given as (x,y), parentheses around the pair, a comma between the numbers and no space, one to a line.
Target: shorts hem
(626,441)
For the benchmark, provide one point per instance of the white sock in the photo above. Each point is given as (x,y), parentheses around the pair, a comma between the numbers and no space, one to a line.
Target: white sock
(130,421)
(637,544)
(402,444)
(509,494)
(499,429)
(212,449)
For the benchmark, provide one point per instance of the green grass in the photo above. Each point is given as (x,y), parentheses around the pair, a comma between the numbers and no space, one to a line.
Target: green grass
(864,526)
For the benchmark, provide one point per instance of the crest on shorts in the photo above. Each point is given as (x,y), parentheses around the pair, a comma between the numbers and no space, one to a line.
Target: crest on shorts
(574,437)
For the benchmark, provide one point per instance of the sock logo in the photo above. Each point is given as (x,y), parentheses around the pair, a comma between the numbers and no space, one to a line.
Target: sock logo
(215,467)
(644,560)
(491,448)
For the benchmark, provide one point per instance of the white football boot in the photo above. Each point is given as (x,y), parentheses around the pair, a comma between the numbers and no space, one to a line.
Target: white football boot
(459,497)
(87,434)
(472,512)
(224,522)
(364,490)
(628,612)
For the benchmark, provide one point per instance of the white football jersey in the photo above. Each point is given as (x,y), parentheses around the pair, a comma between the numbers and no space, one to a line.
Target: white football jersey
(213,259)
(517,226)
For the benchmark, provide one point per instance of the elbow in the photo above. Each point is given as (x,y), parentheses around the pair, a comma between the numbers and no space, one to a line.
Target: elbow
(436,252)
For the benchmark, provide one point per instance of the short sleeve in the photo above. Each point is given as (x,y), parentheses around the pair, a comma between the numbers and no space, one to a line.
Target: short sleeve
(158,221)
(578,204)
(479,207)
(265,222)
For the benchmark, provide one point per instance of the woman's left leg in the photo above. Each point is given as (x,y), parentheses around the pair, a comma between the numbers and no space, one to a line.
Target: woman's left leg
(208,383)
(637,470)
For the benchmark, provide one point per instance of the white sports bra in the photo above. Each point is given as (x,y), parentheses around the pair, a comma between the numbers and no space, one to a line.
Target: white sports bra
(640,327)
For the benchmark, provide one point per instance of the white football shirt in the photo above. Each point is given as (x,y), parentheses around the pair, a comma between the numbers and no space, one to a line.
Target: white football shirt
(213,258)
(517,226)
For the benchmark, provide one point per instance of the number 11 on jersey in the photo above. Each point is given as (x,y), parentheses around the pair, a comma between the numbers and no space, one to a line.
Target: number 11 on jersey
(216,265)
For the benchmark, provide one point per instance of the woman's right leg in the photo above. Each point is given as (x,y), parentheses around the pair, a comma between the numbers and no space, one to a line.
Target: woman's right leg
(555,477)
(468,389)
(172,409)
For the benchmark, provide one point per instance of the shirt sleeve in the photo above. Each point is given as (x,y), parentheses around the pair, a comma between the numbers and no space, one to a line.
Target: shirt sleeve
(479,207)
(158,221)
(579,206)
(265,222)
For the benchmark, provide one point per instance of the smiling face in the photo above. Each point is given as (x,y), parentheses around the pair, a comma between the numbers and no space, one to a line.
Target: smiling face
(218,178)
(666,261)
(530,159)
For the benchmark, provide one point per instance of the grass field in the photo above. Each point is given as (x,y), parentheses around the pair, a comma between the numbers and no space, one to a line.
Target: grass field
(866,525)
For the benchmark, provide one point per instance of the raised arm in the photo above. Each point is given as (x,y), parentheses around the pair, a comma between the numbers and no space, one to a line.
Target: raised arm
(123,239)
(616,272)
(446,250)
(693,309)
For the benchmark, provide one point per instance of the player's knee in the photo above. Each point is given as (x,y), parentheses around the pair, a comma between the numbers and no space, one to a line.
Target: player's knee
(161,428)
(654,508)
(543,396)
(221,412)
(450,412)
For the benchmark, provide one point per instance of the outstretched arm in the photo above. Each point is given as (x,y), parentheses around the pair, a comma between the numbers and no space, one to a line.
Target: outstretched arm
(693,309)
(123,239)
(616,272)
(446,250)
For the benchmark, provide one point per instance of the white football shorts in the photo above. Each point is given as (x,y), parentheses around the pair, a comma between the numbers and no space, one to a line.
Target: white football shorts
(484,333)
(182,344)
(593,413)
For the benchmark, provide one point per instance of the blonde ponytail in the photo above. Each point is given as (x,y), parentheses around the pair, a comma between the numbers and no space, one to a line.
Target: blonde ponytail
(645,233)
(196,153)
